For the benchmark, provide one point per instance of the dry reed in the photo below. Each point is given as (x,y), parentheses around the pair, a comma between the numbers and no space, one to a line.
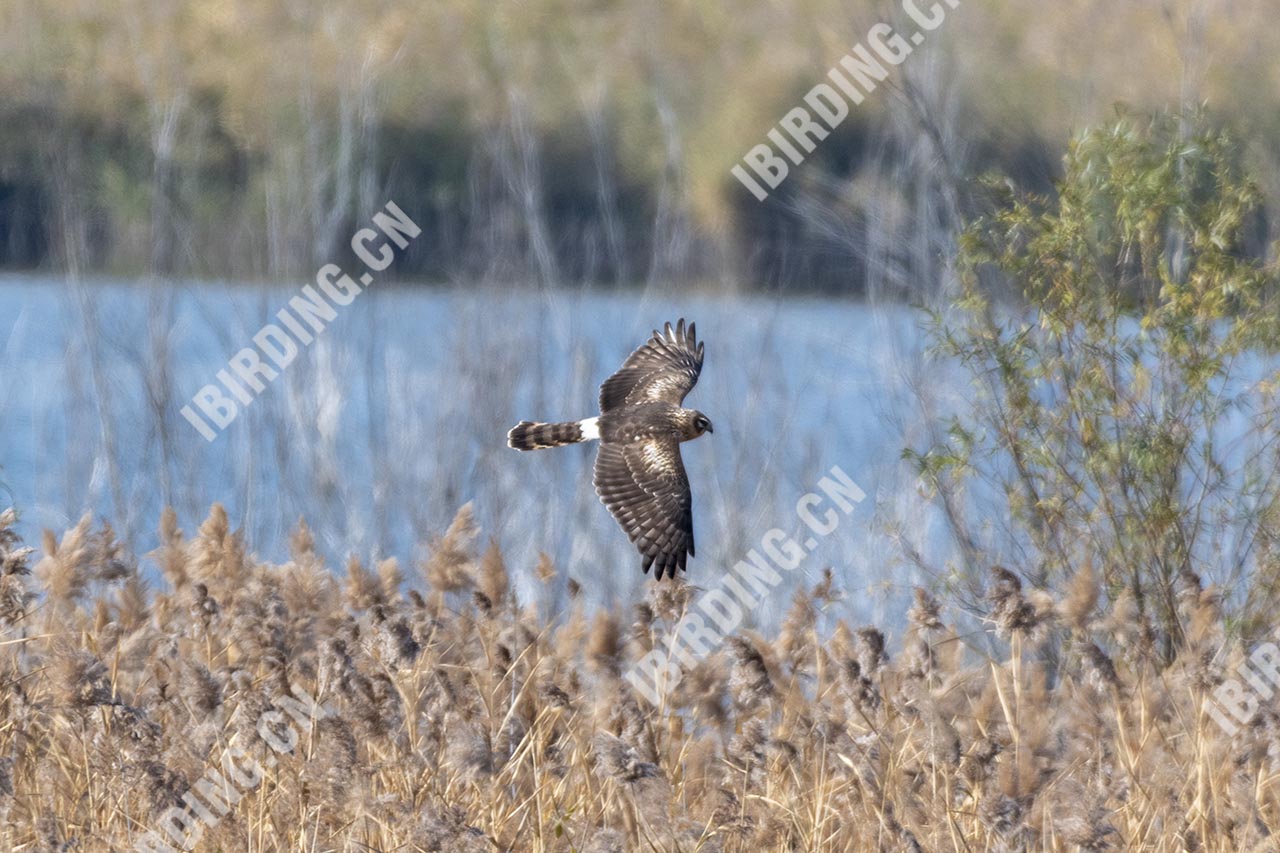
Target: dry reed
(459,719)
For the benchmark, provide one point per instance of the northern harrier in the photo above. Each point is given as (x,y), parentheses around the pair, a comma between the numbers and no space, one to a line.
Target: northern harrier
(639,475)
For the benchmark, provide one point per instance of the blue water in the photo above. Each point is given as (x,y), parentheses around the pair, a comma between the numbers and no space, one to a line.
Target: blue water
(397,415)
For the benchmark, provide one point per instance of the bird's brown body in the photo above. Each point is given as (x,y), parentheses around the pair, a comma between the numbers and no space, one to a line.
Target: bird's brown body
(651,420)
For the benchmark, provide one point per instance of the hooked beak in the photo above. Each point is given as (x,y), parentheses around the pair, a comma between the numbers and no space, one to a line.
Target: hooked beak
(709,429)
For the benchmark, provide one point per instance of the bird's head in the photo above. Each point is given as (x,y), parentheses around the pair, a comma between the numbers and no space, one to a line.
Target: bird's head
(701,424)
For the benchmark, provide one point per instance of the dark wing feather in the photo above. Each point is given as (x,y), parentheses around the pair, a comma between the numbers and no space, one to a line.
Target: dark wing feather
(644,485)
(665,369)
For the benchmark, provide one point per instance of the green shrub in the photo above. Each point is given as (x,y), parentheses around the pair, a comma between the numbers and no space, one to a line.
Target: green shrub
(1125,414)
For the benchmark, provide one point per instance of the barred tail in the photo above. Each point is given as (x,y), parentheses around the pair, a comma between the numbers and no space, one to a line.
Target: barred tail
(528,435)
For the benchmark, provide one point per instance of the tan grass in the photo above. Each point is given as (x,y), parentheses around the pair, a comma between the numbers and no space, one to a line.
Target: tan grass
(462,719)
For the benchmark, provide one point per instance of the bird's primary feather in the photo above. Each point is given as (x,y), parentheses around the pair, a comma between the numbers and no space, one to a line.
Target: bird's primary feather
(644,485)
(664,370)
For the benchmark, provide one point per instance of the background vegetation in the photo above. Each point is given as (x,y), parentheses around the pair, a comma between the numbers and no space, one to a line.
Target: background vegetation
(567,140)
(1124,424)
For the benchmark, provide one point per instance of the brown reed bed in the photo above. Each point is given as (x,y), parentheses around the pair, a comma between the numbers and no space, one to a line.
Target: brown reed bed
(457,718)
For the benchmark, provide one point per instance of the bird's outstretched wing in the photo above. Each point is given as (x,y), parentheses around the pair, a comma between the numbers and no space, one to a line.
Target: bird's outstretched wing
(644,485)
(665,369)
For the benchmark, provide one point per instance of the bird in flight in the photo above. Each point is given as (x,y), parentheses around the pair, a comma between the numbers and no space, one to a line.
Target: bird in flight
(639,475)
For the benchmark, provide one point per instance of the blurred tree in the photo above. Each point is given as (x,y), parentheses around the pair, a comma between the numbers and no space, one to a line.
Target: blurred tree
(581,139)
(1126,420)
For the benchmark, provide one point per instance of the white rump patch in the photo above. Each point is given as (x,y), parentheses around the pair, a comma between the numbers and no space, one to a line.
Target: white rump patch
(590,428)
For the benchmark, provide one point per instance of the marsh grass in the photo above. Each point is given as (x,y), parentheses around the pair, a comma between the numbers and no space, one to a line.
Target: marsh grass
(460,718)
